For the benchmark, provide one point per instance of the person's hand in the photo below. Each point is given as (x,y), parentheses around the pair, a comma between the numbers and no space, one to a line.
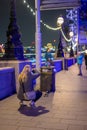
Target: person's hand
(33,70)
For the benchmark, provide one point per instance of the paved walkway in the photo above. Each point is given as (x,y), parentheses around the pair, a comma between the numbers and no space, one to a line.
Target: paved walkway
(66,109)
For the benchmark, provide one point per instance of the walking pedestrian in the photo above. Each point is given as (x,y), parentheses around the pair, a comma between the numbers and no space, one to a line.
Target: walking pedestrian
(79,62)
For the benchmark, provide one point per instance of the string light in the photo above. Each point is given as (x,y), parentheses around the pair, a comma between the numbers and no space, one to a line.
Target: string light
(29,7)
(45,25)
(68,40)
(24,1)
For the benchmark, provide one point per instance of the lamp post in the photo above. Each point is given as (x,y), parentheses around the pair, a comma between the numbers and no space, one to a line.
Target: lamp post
(38,34)
(13,46)
(60,52)
(71,49)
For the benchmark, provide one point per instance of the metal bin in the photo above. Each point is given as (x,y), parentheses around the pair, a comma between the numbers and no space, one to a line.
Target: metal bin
(47,79)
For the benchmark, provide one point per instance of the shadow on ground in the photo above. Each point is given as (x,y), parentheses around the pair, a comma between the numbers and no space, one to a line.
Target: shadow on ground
(28,111)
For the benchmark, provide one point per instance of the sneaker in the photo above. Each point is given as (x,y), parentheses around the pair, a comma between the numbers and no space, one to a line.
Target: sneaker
(32,104)
(21,103)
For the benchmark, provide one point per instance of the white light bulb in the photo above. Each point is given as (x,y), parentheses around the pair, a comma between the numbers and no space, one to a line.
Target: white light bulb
(24,1)
(27,6)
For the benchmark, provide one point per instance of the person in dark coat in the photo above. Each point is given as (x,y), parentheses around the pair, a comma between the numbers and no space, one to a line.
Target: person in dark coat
(26,89)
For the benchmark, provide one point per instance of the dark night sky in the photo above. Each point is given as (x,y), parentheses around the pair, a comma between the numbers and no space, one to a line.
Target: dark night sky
(26,22)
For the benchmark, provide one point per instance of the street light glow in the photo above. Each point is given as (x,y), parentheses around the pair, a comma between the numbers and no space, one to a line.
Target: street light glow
(71,34)
(60,21)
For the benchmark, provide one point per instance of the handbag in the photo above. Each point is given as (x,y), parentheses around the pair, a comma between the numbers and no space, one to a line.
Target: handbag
(31,95)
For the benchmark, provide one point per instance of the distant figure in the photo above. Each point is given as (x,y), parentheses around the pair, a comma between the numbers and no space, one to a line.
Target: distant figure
(26,88)
(85,59)
(48,57)
(79,62)
(48,54)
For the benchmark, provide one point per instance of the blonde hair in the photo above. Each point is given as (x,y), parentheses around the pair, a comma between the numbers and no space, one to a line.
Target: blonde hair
(23,75)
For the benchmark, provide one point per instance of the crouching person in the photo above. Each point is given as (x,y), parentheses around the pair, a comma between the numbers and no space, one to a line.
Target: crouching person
(26,88)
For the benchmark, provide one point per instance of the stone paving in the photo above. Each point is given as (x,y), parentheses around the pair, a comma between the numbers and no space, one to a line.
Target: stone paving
(66,109)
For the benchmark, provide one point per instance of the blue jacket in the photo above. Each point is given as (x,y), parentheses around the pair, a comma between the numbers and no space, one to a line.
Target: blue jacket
(80,59)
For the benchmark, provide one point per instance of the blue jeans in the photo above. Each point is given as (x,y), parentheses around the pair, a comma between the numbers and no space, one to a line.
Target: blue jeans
(80,68)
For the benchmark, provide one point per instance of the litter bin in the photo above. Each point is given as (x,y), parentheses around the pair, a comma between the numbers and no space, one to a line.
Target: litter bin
(47,79)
